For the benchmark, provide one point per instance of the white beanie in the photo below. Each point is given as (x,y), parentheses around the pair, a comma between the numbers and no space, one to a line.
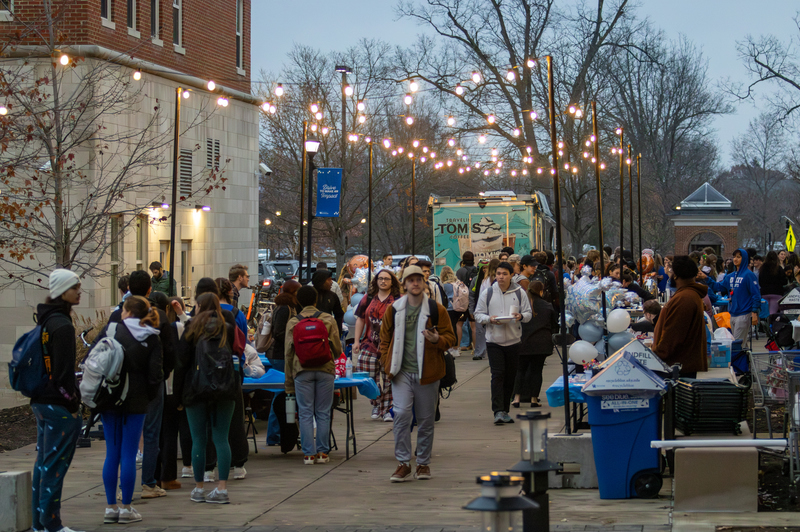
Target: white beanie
(62,280)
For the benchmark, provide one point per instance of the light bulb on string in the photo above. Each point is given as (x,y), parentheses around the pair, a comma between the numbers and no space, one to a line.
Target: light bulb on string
(408,99)
(137,75)
(449,163)
(486,172)
(318,116)
(490,119)
(560,144)
(628,162)
(394,153)
(511,75)
(314,107)
(272,109)
(265,107)
(494,152)
(361,106)
(415,143)
(593,138)
(387,143)
(499,164)
(348,90)
(460,170)
(552,171)
(3,110)
(539,171)
(477,164)
(410,155)
(410,120)
(572,109)
(524,171)
(400,149)
(586,155)
(64,59)
(433,155)
(367,139)
(313,127)
(464,157)
(279,90)
(459,89)
(513,173)
(534,115)
(424,149)
(560,153)
(476,77)
(451,121)
(602,166)
(459,152)
(413,86)
(451,142)
(482,139)
(531,63)
(186,95)
(588,143)
(574,169)
(594,160)
(578,113)
(362,119)
(516,132)
(497,171)
(618,131)
(325,130)
(423,159)
(469,168)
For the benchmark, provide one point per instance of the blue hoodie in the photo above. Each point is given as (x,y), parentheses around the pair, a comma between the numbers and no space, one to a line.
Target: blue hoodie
(742,284)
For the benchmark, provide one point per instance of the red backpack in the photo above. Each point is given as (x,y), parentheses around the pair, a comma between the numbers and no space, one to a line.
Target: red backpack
(310,337)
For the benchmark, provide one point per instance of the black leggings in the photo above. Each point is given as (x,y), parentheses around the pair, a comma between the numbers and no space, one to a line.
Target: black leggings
(172,423)
(528,383)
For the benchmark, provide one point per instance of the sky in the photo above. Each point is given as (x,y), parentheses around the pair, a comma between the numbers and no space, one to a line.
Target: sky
(713,25)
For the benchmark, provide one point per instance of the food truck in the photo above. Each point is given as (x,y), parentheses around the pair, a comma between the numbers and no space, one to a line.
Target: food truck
(488,222)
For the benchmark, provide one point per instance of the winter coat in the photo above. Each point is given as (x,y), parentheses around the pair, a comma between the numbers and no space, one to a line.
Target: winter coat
(162,283)
(280,319)
(292,365)
(329,302)
(771,284)
(143,363)
(430,357)
(742,284)
(508,333)
(167,334)
(62,389)
(680,334)
(537,333)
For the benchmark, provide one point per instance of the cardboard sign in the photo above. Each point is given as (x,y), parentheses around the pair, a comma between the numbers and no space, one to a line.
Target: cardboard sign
(643,354)
(624,374)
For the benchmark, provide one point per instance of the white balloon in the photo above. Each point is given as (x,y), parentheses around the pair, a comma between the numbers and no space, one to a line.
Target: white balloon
(618,320)
(350,317)
(590,332)
(582,352)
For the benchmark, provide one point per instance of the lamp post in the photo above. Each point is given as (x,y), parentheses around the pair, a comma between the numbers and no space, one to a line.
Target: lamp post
(268,222)
(413,203)
(369,218)
(535,467)
(500,504)
(344,71)
(597,168)
(302,192)
(629,162)
(311,146)
(173,220)
(639,192)
(621,134)
(559,242)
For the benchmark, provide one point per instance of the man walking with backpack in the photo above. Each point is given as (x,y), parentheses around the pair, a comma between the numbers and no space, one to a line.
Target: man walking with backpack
(415,334)
(312,345)
(56,406)
(501,308)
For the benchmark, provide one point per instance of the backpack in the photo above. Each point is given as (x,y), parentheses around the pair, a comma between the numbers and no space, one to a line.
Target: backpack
(472,272)
(541,276)
(460,297)
(449,380)
(310,338)
(105,378)
(213,377)
(29,369)
(264,338)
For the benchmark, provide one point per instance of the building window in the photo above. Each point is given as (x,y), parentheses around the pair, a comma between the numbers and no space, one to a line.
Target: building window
(185,186)
(239,33)
(177,23)
(154,19)
(212,154)
(107,14)
(6,10)
(132,14)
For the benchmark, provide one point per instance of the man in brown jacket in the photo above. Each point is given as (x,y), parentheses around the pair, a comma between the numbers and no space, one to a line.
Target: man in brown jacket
(680,335)
(412,353)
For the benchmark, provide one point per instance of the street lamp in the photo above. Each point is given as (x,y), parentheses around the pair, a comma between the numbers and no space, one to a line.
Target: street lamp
(312,147)
(621,134)
(597,167)
(629,162)
(639,192)
(534,463)
(500,503)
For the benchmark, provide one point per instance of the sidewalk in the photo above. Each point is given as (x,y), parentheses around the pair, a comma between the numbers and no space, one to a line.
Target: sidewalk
(280,493)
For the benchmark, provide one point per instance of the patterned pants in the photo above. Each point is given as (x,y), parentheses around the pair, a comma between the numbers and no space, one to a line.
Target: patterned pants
(370,362)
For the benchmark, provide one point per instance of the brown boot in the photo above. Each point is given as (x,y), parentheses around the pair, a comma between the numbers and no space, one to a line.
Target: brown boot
(170,485)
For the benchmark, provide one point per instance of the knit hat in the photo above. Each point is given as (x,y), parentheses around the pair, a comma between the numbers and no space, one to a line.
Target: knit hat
(647,252)
(319,277)
(62,280)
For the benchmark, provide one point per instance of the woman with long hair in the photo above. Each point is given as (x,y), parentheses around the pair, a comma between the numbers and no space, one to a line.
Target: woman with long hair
(537,345)
(122,425)
(772,280)
(210,329)
(383,291)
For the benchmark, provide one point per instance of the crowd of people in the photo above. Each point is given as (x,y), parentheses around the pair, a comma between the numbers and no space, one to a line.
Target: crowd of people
(405,323)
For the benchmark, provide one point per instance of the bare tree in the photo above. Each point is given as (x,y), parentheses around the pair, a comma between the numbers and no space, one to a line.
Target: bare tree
(78,148)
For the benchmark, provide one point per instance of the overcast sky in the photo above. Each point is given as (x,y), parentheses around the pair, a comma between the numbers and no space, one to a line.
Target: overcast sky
(713,25)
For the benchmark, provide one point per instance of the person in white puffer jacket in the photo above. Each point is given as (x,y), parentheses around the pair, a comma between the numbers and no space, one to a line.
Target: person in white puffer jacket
(501,308)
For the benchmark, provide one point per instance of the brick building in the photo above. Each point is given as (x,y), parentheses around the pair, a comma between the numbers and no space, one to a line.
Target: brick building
(706,218)
(171,44)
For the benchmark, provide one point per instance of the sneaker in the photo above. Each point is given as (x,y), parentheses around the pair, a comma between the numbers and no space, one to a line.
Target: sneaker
(498,418)
(321,458)
(112,516)
(239,473)
(152,493)
(401,474)
(218,496)
(477,358)
(423,472)
(387,417)
(187,472)
(139,457)
(63,529)
(170,485)
(376,412)
(198,495)
(507,418)
(210,476)
(309,460)
(129,515)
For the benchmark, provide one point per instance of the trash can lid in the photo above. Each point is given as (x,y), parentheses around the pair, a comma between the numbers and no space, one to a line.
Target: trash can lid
(625,374)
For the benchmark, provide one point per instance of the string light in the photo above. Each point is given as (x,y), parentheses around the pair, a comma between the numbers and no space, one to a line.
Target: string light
(459,89)
(451,121)
(362,119)
(574,169)
(348,90)
(409,120)
(618,131)
(482,139)
(628,162)
(325,130)
(516,132)
(211,85)
(534,115)
(314,108)
(64,59)
(476,77)
(400,149)
(451,142)
(415,143)
(272,109)
(490,119)
(413,86)
(407,99)
(387,143)
(137,75)
(279,90)
(602,166)
(3,110)
(222,101)
(531,63)
(185,95)
(539,171)
(318,116)
(313,127)
(524,171)
(361,106)
(511,75)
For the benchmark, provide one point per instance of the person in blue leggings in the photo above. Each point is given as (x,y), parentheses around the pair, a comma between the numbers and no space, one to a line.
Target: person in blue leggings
(122,425)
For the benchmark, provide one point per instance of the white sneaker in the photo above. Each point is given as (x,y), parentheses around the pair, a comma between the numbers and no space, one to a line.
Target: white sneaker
(129,516)
(111,516)
(376,412)
(387,417)
(152,493)
(67,529)
(210,476)
(239,473)
(187,472)
(139,457)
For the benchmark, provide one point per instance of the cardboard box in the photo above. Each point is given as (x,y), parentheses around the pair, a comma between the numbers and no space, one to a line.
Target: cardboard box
(716,479)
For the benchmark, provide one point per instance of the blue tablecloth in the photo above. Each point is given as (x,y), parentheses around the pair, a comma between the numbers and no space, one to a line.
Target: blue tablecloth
(723,302)
(555,393)
(366,386)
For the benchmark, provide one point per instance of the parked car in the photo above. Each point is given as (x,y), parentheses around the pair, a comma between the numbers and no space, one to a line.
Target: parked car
(396,259)
(269,279)
(300,273)
(286,267)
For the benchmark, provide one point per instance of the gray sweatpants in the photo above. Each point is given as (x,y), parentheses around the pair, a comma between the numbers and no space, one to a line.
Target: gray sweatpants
(741,326)
(479,344)
(409,394)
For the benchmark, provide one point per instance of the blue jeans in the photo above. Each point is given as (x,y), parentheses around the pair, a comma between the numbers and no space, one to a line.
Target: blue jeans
(314,391)
(122,433)
(273,426)
(56,434)
(152,434)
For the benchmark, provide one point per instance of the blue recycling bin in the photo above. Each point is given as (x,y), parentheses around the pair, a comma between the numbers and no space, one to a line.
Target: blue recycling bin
(623,425)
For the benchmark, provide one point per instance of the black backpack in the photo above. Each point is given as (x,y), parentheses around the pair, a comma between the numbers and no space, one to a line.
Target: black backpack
(213,376)
(541,276)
